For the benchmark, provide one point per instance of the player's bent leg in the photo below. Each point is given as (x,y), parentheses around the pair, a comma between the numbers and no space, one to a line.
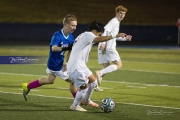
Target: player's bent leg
(36,83)
(86,99)
(75,106)
(99,74)
(72,89)
(118,64)
(27,87)
(47,80)
(105,65)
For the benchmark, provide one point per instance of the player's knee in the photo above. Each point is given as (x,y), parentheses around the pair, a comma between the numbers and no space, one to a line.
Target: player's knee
(119,65)
(50,80)
(82,87)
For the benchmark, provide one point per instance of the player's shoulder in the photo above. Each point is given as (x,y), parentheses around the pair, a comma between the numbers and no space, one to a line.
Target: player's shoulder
(113,21)
(57,33)
(111,24)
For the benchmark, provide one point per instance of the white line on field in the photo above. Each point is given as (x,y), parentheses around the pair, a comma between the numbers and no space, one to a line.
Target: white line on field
(151,71)
(21,74)
(141,70)
(162,85)
(147,62)
(152,62)
(106,88)
(94,100)
(142,84)
(133,70)
(61,88)
(135,87)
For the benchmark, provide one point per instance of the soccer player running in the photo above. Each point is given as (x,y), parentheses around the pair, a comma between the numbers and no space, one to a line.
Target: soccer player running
(107,52)
(61,42)
(77,69)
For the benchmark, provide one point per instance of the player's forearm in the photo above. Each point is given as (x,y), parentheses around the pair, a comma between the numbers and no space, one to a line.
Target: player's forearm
(121,39)
(102,38)
(56,49)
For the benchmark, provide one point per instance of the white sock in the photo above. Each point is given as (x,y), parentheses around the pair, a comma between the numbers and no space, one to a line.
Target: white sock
(79,96)
(108,69)
(90,90)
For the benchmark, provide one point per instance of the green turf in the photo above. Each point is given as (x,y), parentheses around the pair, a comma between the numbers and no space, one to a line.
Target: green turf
(146,88)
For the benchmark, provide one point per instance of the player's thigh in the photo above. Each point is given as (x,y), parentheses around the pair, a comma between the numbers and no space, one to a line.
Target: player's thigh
(113,56)
(80,78)
(92,78)
(102,58)
(51,78)
(118,63)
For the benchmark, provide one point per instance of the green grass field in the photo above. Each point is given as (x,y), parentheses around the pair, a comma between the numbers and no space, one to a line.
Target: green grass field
(146,88)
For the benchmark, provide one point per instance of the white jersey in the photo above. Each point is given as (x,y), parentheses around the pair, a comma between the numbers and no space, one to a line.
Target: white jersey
(80,52)
(112,28)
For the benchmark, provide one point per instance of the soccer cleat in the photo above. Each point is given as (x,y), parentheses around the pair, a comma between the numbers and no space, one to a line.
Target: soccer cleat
(77,108)
(90,102)
(99,77)
(26,90)
(98,89)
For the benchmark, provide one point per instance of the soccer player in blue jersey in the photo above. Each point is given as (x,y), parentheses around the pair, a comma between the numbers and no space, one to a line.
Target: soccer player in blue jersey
(61,42)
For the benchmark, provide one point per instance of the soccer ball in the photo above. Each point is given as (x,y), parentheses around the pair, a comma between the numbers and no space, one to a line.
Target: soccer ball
(107,105)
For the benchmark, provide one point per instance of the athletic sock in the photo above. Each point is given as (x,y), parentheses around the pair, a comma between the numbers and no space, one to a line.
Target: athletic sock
(34,84)
(74,94)
(108,69)
(79,96)
(90,90)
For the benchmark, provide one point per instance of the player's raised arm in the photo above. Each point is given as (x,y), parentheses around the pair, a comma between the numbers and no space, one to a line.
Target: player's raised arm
(106,38)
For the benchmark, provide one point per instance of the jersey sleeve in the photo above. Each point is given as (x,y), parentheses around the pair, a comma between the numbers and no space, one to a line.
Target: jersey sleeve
(87,37)
(55,40)
(90,38)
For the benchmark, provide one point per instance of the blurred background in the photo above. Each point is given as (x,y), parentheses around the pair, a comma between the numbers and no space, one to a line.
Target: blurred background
(31,22)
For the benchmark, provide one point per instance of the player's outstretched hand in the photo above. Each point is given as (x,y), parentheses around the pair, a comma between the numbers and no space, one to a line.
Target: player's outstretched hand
(128,37)
(121,35)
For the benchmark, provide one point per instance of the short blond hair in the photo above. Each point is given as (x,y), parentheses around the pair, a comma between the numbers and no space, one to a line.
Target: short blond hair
(68,18)
(120,8)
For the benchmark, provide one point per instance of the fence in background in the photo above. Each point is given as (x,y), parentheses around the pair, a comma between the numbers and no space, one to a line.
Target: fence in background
(41,34)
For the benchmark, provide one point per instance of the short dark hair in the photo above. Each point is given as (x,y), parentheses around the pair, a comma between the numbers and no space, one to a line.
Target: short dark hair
(96,26)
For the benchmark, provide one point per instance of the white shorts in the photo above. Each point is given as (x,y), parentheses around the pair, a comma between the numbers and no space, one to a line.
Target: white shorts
(108,57)
(80,78)
(60,74)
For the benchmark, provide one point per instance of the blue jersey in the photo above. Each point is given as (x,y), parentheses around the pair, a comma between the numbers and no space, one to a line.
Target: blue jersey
(56,59)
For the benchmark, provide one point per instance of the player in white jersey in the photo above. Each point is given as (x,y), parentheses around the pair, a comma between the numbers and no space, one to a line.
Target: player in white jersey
(107,52)
(77,69)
